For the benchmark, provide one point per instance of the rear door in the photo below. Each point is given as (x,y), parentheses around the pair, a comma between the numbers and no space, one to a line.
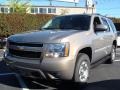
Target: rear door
(108,36)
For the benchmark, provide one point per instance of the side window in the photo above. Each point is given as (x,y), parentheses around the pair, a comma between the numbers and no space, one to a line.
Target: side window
(112,25)
(105,23)
(96,22)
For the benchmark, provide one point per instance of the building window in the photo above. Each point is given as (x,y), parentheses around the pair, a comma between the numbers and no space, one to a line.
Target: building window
(11,10)
(4,10)
(34,10)
(42,10)
(51,10)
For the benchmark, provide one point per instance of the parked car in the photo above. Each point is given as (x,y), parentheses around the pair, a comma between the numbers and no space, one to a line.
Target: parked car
(2,42)
(66,47)
(118,38)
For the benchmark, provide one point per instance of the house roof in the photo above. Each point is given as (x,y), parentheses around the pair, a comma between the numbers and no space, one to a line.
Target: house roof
(50,6)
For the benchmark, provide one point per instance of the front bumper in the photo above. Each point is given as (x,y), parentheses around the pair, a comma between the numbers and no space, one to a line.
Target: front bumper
(62,68)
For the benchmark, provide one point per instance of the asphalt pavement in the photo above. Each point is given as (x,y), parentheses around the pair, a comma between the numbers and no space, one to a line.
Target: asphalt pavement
(103,77)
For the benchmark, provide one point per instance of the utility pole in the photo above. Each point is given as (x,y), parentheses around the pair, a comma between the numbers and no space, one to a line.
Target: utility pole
(50,2)
(93,6)
(86,6)
(89,4)
(75,3)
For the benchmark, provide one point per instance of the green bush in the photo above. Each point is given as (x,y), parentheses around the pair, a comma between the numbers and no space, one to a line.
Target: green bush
(17,23)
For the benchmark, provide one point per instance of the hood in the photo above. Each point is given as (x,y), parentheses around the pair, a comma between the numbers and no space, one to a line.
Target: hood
(41,36)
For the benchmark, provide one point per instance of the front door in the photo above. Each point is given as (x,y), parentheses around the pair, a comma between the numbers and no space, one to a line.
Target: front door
(99,43)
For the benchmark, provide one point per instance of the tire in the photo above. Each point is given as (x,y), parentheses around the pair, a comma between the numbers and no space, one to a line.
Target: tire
(112,55)
(82,69)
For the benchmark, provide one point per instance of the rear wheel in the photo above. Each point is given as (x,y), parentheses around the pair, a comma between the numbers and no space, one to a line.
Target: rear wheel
(112,55)
(82,69)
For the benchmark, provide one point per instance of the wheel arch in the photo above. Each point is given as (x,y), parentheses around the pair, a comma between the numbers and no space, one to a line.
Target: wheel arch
(86,50)
(115,43)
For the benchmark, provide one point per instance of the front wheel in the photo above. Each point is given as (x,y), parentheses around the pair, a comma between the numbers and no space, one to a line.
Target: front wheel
(82,69)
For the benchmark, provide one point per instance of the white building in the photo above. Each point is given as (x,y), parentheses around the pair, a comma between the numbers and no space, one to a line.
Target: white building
(56,10)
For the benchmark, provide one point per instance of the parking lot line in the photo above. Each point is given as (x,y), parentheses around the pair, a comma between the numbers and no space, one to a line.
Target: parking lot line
(3,74)
(46,86)
(116,60)
(1,57)
(24,87)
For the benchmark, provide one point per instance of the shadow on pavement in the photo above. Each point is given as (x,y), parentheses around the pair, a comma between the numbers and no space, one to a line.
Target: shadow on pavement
(104,85)
(8,81)
(58,85)
(4,68)
(101,85)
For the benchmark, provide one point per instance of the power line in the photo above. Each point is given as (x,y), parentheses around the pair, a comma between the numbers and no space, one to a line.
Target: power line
(116,8)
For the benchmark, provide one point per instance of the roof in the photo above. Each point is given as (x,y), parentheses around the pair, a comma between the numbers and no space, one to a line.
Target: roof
(85,14)
(58,6)
(76,15)
(52,6)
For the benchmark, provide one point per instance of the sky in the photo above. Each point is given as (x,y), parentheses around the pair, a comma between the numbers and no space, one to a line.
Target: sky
(105,7)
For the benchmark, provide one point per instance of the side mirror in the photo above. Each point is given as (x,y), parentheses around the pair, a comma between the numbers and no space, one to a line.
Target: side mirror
(101,27)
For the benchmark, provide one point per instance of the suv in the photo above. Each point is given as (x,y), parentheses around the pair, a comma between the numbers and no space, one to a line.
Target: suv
(65,48)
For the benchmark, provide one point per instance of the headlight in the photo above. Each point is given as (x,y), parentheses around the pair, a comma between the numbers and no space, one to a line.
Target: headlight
(57,50)
(6,49)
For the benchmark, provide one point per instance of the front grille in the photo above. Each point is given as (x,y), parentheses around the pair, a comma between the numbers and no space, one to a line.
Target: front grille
(27,54)
(25,44)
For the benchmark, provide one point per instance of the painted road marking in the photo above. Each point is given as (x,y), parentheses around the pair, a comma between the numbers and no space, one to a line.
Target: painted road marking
(4,74)
(1,57)
(116,60)
(21,82)
(23,85)
(46,86)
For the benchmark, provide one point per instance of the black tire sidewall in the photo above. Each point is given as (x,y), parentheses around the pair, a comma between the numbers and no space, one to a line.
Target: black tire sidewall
(113,47)
(81,57)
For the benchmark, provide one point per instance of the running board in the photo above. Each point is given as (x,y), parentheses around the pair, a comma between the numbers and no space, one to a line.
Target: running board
(100,61)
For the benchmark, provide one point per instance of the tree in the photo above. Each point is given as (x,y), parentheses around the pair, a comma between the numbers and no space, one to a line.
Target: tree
(19,6)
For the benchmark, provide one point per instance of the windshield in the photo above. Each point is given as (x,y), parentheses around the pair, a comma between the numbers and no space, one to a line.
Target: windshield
(74,22)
